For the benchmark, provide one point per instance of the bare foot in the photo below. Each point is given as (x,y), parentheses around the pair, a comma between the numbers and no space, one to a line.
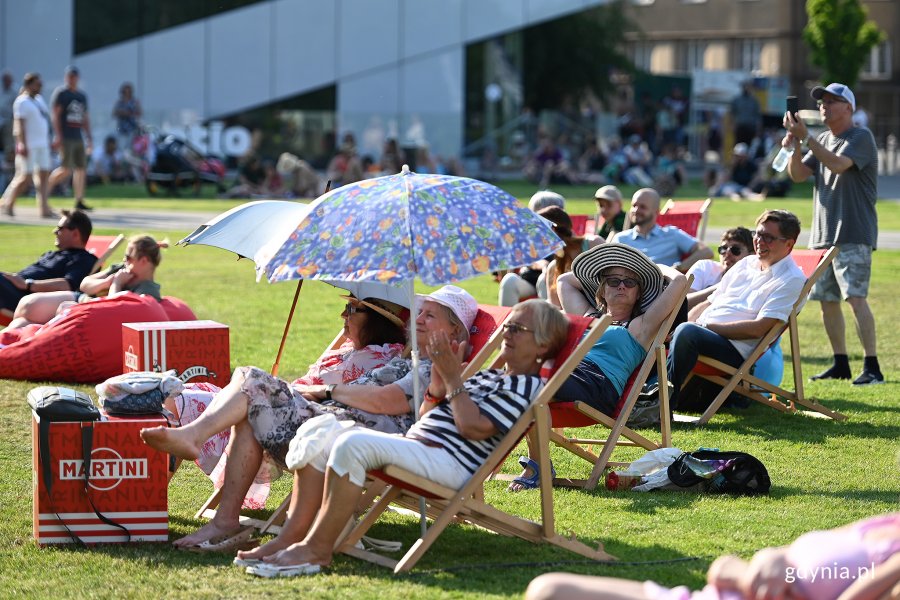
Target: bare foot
(171,441)
(207,532)
(297,554)
(271,547)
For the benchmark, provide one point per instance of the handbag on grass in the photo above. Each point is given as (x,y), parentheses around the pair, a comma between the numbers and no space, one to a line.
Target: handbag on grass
(58,405)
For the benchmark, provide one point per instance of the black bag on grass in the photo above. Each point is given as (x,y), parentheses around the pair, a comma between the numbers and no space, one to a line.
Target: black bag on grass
(735,473)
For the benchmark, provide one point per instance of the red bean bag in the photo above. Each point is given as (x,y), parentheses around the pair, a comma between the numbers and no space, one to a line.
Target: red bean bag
(84,346)
(176,309)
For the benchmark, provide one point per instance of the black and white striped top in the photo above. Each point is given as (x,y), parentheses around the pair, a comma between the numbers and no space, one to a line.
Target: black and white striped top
(500,397)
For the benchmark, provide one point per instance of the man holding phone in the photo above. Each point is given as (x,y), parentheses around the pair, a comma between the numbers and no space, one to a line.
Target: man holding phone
(844,161)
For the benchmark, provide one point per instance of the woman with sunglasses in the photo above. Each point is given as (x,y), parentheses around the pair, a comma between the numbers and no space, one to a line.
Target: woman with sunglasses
(622,282)
(737,243)
(135,274)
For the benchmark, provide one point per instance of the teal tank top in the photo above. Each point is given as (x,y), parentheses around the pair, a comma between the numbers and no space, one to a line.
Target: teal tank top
(617,354)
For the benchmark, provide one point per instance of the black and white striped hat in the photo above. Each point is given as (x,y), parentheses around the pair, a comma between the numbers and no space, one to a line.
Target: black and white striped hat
(588,266)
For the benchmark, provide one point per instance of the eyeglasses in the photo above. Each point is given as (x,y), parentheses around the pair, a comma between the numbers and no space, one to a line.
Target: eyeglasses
(617,281)
(766,237)
(129,257)
(60,228)
(515,328)
(831,101)
(350,308)
(734,249)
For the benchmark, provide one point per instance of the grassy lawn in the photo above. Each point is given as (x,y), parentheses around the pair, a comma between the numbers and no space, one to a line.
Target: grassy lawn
(824,473)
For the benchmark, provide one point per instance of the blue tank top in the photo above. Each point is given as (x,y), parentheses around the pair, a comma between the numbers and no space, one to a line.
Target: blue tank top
(617,354)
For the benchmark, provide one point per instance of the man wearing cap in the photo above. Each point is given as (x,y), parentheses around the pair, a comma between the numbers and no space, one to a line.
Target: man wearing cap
(753,295)
(72,135)
(32,147)
(667,245)
(844,161)
(609,205)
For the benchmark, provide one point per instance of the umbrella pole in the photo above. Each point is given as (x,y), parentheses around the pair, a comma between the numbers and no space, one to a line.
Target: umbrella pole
(417,391)
(287,327)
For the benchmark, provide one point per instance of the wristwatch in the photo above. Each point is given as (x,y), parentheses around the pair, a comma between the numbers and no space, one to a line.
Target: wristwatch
(329,389)
(28,284)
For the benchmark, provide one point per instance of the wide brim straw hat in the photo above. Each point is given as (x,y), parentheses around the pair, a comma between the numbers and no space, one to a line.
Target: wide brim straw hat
(588,266)
(394,313)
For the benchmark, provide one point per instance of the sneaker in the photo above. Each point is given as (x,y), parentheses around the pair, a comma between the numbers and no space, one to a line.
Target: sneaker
(831,373)
(82,206)
(868,378)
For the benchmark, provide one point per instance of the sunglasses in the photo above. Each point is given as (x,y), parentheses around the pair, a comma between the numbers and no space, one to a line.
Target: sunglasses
(734,249)
(515,328)
(350,308)
(617,281)
(766,237)
(58,229)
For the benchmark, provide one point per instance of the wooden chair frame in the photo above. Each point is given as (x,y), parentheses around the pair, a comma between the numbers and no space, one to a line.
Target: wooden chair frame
(740,379)
(579,414)
(446,505)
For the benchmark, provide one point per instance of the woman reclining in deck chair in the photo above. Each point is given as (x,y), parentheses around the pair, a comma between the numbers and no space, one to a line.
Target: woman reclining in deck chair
(265,412)
(621,281)
(142,257)
(461,423)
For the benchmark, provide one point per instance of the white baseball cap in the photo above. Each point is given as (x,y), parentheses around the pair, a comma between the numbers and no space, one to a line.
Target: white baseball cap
(457,300)
(838,89)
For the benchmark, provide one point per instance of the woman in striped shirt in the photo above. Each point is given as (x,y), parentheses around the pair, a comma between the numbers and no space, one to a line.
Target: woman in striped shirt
(461,423)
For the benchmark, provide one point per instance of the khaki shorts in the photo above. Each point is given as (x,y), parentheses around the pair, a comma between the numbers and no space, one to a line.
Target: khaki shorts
(847,276)
(72,154)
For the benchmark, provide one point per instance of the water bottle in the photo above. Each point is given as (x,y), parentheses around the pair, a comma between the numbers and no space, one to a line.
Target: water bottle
(783,158)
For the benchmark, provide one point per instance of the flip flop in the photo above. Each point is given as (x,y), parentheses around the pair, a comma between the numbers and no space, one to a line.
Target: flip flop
(226,542)
(246,562)
(532,482)
(272,570)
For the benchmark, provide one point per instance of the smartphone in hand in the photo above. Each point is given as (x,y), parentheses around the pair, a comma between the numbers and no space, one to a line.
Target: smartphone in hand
(792,106)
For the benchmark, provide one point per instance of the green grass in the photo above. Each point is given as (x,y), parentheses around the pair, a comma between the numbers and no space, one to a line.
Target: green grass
(824,473)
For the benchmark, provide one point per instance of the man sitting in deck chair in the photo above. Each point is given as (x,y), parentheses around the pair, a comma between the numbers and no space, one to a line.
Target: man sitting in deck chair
(56,270)
(752,295)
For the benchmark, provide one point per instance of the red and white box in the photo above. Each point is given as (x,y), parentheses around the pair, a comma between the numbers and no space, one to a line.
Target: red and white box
(128,483)
(198,350)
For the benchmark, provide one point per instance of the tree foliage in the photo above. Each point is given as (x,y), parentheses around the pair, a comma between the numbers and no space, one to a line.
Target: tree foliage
(840,38)
(574,54)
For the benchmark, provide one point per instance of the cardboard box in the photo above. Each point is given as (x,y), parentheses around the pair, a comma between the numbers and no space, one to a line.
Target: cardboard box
(198,350)
(128,484)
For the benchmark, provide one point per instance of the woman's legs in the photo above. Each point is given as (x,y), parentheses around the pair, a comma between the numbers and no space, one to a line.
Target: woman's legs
(229,408)
(38,308)
(566,586)
(244,458)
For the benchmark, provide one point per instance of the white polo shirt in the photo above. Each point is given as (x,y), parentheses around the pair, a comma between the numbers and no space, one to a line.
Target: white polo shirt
(748,292)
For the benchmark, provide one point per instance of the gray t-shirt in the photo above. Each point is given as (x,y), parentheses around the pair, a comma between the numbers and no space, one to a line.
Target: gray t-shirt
(844,204)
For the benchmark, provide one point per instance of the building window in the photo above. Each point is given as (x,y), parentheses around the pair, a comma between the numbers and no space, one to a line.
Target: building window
(751,51)
(694,55)
(643,51)
(879,63)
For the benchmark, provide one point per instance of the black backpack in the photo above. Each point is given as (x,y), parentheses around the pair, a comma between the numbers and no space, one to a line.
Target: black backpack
(720,472)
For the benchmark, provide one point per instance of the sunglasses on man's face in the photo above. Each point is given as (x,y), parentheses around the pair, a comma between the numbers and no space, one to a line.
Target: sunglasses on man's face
(617,281)
(734,249)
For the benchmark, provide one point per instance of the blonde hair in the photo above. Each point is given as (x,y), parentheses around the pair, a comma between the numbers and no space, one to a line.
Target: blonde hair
(551,327)
(147,246)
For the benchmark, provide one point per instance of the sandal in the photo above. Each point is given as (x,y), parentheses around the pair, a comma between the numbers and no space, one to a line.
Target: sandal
(532,482)
(226,542)
(272,570)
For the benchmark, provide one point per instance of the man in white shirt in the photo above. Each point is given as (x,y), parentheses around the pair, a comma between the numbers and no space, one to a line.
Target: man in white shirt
(752,296)
(32,132)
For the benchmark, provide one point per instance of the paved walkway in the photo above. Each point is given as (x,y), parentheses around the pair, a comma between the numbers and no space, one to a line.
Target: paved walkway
(123,219)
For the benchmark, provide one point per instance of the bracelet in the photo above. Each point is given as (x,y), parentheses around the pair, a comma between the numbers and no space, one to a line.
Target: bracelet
(455,393)
(429,397)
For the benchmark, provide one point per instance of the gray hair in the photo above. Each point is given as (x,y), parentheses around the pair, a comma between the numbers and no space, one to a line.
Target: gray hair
(551,327)
(546,198)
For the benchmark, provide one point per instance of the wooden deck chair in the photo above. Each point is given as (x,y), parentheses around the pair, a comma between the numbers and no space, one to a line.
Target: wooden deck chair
(102,246)
(446,505)
(694,223)
(566,415)
(740,379)
(485,328)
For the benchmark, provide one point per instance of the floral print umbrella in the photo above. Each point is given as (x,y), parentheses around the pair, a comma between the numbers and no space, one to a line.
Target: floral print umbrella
(393,229)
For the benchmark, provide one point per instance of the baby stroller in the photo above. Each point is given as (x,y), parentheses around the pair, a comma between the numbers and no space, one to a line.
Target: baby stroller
(179,165)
